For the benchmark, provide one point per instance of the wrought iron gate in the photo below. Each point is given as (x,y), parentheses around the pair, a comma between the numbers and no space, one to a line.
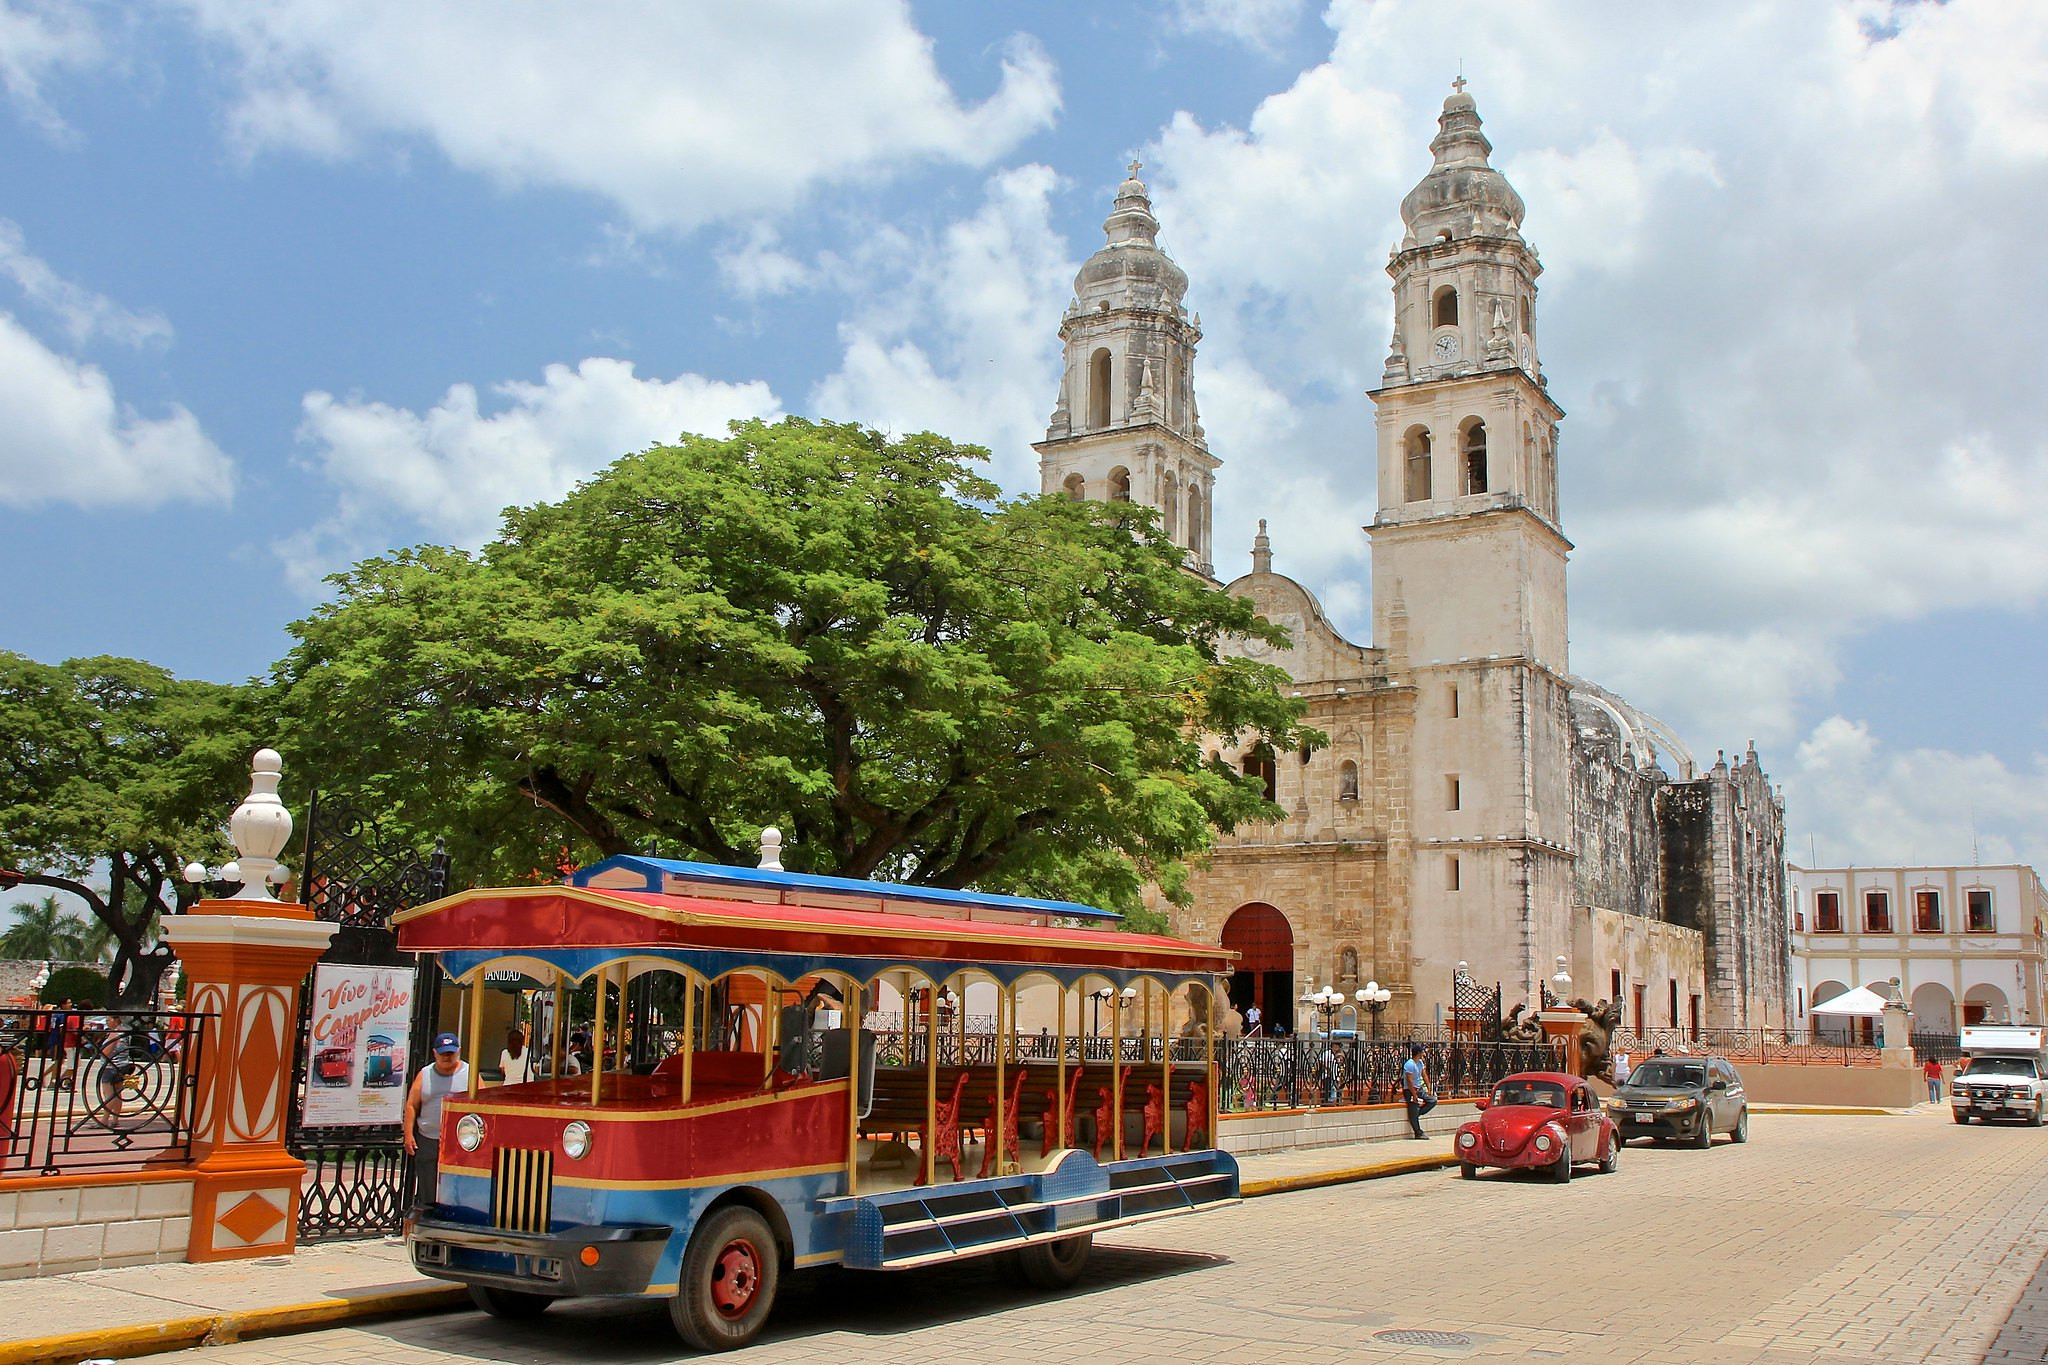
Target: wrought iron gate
(355,876)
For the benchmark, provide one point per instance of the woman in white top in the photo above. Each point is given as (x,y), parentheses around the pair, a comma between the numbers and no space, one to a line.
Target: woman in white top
(515,1063)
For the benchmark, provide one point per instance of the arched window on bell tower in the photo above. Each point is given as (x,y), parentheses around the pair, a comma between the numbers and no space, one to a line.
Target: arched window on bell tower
(1475,456)
(1195,527)
(1169,507)
(1417,465)
(1119,484)
(1445,312)
(1076,488)
(1098,388)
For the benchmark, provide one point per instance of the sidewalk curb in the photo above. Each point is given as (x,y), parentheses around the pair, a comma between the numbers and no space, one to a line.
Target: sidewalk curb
(1314,1180)
(217,1329)
(1826,1109)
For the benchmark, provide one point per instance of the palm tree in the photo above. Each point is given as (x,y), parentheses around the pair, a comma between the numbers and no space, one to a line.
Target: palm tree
(44,930)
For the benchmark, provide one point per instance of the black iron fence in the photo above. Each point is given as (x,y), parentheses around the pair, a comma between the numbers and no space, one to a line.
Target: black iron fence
(97,1090)
(1292,1073)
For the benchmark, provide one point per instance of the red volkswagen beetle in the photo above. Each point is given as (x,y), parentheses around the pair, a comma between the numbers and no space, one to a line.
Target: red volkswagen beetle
(1542,1120)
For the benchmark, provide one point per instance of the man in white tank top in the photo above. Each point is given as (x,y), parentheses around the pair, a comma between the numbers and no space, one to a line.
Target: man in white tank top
(449,1075)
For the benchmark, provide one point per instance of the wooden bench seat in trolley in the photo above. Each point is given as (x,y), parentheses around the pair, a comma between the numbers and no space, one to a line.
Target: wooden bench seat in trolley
(966,1095)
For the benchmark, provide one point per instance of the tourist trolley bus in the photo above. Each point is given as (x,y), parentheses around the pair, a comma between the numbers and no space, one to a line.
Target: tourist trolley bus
(739,1121)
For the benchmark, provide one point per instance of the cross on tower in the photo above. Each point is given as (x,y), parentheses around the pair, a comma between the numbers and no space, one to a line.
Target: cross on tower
(1459,84)
(1133,167)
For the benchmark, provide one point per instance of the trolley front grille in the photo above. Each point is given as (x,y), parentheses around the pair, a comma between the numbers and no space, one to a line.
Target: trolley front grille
(522,1189)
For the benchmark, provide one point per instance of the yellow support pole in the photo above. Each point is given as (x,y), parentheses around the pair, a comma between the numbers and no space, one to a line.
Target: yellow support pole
(604,980)
(903,991)
(1059,1102)
(995,1133)
(853,1012)
(1209,1070)
(476,1028)
(1117,1074)
(1165,1068)
(771,1026)
(689,1032)
(557,1034)
(931,1082)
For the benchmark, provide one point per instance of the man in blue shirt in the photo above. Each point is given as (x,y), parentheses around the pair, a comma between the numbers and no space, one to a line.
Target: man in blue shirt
(1415,1089)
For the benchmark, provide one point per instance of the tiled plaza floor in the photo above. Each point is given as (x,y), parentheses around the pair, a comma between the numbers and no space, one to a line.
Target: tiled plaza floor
(1826,1238)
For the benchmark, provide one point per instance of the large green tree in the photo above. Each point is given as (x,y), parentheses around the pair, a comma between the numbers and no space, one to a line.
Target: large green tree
(809,625)
(113,773)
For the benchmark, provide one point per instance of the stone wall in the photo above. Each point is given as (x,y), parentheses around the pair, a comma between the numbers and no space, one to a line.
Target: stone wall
(1283,1130)
(57,1224)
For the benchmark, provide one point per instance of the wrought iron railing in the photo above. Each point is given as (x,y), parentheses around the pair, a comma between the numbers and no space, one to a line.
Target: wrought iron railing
(106,1089)
(1293,1073)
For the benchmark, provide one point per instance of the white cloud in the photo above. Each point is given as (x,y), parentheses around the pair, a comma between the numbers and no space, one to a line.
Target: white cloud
(678,114)
(37,39)
(1877,808)
(451,470)
(1255,23)
(84,314)
(67,439)
(955,332)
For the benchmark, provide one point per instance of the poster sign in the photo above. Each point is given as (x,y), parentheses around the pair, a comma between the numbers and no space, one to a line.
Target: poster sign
(362,1019)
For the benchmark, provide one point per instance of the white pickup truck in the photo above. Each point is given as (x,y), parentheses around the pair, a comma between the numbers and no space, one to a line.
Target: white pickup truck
(2004,1079)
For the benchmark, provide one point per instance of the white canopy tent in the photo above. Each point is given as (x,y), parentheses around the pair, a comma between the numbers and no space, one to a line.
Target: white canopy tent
(1862,1002)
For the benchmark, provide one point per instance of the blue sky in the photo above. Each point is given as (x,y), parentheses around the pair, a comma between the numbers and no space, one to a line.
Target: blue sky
(284,285)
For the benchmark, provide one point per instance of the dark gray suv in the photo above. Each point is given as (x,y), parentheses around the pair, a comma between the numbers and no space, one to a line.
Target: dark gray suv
(1685,1097)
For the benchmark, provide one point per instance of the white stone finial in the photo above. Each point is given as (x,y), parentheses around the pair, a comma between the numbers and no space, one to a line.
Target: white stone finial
(771,849)
(260,827)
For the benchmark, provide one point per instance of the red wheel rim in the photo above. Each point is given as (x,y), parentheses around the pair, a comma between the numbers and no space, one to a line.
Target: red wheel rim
(735,1278)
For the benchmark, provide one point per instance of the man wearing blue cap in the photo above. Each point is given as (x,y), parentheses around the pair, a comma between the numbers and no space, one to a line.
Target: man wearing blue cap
(449,1075)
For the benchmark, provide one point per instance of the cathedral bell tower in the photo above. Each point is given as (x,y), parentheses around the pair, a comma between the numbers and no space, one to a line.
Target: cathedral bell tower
(1468,549)
(1125,428)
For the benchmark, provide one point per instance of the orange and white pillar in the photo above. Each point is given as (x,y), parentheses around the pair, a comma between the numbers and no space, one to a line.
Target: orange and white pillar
(247,960)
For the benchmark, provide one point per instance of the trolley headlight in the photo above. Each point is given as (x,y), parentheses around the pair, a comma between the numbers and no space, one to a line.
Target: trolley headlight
(469,1132)
(1468,1140)
(1543,1142)
(576,1140)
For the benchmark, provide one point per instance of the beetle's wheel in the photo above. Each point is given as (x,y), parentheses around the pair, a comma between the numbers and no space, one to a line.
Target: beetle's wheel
(728,1281)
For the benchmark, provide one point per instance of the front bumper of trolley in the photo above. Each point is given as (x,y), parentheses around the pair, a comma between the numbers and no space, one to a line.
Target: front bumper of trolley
(604,1261)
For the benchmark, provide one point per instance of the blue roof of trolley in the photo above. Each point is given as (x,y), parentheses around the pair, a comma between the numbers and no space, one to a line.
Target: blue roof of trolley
(658,873)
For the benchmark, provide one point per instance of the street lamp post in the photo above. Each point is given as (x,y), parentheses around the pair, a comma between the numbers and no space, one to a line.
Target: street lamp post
(1096,999)
(1374,997)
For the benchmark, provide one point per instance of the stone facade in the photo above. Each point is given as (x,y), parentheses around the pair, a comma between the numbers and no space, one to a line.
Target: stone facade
(1478,803)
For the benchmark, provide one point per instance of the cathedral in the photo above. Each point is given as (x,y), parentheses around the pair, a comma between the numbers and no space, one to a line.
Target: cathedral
(1479,806)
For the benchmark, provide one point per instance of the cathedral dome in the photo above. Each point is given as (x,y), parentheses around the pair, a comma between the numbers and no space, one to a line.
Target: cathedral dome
(1462,196)
(1131,261)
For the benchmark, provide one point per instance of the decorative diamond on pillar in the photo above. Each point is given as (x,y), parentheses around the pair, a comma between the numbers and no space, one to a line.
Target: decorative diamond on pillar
(253,1219)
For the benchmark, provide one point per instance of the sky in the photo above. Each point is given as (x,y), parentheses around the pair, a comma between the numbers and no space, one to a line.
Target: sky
(284,285)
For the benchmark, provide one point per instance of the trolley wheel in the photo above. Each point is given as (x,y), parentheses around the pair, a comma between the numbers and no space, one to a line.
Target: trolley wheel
(1055,1265)
(508,1303)
(1468,1170)
(728,1281)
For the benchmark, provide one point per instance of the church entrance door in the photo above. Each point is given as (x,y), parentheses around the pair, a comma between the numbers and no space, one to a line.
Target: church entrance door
(1264,943)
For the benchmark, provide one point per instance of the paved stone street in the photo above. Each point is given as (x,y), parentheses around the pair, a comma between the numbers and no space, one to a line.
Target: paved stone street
(1827,1237)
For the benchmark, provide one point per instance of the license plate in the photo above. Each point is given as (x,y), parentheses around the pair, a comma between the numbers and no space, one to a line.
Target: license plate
(1640,1116)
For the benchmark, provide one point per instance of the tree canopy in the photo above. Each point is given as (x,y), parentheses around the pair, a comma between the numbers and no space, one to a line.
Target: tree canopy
(114,767)
(809,625)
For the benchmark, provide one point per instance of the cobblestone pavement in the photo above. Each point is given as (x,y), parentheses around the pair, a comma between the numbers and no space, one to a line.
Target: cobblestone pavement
(1830,1238)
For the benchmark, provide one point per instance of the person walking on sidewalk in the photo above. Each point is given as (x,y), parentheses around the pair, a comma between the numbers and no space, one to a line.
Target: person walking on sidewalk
(1932,1071)
(449,1075)
(1415,1089)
